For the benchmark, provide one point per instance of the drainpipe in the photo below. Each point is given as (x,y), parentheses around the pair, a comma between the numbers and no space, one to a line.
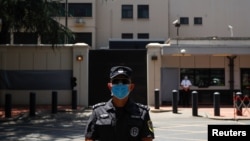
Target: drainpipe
(231,72)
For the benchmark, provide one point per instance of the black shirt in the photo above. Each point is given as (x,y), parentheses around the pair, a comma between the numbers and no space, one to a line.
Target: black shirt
(109,123)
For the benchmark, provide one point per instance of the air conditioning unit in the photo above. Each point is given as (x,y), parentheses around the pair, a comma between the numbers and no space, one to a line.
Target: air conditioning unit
(79,21)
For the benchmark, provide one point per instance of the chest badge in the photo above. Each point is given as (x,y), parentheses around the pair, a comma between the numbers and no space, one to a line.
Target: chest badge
(134,131)
(104,115)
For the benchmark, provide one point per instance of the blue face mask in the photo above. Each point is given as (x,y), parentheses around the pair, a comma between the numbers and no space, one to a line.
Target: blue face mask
(120,91)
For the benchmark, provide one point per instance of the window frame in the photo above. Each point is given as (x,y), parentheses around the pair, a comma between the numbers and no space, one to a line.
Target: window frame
(184,20)
(127,36)
(127,11)
(245,80)
(143,11)
(80,9)
(198,21)
(143,35)
(204,77)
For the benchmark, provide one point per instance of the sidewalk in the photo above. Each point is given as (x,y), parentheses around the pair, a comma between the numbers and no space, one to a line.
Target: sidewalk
(225,113)
(21,111)
(69,124)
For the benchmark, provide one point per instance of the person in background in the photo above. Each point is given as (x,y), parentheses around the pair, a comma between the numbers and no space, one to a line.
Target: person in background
(185,92)
(120,118)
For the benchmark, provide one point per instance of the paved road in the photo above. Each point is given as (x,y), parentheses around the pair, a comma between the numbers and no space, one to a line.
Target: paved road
(183,126)
(69,126)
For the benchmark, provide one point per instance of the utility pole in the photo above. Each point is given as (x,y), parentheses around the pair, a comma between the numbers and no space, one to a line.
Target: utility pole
(66,20)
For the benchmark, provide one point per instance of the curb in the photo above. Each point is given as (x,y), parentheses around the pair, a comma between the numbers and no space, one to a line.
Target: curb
(159,110)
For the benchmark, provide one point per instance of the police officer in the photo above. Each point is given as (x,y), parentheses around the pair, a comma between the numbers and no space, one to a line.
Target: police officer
(186,92)
(120,118)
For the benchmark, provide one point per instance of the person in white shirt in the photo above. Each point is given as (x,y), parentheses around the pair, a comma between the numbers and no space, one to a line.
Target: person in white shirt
(185,92)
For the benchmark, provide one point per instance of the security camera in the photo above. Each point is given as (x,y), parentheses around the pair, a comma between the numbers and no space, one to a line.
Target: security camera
(231,30)
(175,22)
(183,51)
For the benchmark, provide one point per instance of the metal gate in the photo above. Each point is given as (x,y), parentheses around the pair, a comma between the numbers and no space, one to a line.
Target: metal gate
(169,82)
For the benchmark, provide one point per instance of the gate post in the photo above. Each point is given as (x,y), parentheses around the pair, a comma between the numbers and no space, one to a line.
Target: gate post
(217,104)
(195,103)
(174,101)
(8,105)
(74,99)
(157,97)
(54,102)
(32,104)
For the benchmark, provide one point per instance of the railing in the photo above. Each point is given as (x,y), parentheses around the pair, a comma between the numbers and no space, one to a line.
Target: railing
(241,104)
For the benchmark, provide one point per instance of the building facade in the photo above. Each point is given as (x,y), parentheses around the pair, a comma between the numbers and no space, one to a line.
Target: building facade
(98,22)
(206,39)
(153,20)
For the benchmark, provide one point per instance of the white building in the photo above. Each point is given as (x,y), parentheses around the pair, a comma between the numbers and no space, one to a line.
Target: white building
(209,32)
(211,42)
(104,20)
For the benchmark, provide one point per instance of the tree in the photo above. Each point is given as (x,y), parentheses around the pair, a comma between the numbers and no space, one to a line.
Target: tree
(34,16)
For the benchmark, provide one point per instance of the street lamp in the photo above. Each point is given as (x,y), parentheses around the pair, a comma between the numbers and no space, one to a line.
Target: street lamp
(183,51)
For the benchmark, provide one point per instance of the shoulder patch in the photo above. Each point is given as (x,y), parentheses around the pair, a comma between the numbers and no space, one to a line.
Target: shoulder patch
(98,105)
(145,107)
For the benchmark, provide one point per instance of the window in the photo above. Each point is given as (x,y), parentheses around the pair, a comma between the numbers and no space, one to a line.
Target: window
(197,20)
(83,37)
(245,81)
(143,36)
(184,20)
(143,11)
(62,10)
(127,35)
(80,9)
(205,77)
(25,38)
(4,38)
(45,39)
(127,11)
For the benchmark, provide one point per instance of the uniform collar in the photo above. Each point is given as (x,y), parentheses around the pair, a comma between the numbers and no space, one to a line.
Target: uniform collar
(130,106)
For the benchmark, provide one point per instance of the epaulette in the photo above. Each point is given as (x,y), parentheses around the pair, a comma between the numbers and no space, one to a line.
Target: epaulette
(145,107)
(98,105)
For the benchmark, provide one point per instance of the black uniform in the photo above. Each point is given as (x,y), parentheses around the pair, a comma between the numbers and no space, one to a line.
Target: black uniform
(108,123)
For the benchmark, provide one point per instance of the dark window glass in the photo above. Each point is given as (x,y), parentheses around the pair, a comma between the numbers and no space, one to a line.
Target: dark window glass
(85,37)
(25,38)
(197,20)
(127,36)
(35,79)
(205,77)
(143,11)
(62,9)
(127,11)
(143,36)
(245,81)
(46,39)
(80,9)
(184,20)
(4,38)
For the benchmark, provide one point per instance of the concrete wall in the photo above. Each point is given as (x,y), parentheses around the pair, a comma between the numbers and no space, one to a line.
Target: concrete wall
(45,58)
(191,61)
